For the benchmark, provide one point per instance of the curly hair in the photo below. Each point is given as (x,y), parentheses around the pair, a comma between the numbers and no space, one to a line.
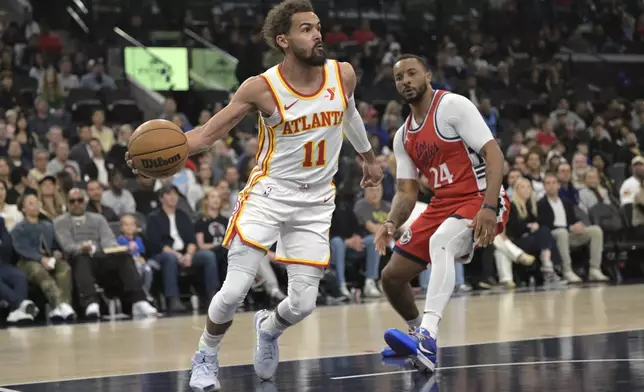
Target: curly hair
(278,20)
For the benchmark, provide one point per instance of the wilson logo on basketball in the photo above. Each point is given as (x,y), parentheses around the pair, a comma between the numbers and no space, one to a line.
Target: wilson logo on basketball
(159,162)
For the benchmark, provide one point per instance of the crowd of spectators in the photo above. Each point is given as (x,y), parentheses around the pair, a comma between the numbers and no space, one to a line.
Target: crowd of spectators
(78,226)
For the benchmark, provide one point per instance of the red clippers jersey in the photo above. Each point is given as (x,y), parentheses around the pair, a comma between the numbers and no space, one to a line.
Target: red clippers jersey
(452,168)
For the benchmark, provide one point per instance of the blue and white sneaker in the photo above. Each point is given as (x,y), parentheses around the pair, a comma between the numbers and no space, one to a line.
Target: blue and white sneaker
(419,346)
(205,369)
(388,352)
(267,350)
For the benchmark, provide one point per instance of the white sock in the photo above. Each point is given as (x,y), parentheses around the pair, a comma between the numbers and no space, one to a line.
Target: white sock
(209,343)
(439,289)
(415,323)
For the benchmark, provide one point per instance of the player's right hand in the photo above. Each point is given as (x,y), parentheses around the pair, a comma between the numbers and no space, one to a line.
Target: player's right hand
(384,236)
(129,162)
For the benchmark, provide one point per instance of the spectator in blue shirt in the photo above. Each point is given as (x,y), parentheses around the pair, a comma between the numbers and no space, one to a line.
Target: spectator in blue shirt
(567,190)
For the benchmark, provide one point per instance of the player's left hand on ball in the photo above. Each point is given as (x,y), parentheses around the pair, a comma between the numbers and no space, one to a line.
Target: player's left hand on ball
(485,226)
(371,175)
(129,162)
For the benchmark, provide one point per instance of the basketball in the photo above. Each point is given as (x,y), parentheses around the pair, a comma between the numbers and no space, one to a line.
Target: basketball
(158,148)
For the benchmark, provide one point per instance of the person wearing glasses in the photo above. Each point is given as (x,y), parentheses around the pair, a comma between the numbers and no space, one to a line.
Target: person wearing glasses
(41,261)
(96,258)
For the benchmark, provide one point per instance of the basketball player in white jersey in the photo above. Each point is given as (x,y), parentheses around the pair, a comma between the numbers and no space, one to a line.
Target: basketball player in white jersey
(305,104)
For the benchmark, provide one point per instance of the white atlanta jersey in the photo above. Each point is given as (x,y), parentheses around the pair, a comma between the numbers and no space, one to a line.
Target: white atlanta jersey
(300,142)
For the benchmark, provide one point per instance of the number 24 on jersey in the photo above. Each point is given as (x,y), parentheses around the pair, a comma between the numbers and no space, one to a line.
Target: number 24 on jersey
(442,175)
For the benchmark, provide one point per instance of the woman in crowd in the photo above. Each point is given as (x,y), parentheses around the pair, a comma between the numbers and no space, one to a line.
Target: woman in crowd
(205,176)
(10,212)
(52,203)
(599,162)
(525,232)
(535,172)
(227,205)
(51,90)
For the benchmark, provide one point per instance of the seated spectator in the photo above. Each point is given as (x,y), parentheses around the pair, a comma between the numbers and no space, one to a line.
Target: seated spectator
(524,230)
(66,78)
(633,184)
(186,183)
(13,283)
(94,195)
(566,189)
(593,193)
(21,184)
(98,162)
(345,243)
(129,237)
(9,212)
(228,198)
(9,96)
(511,180)
(638,213)
(117,197)
(41,158)
(534,172)
(211,226)
(88,240)
(171,237)
(114,158)
(97,79)
(5,170)
(99,131)
(371,212)
(205,176)
(61,159)
(81,152)
(52,203)
(50,89)
(42,121)
(599,163)
(41,261)
(558,216)
(579,167)
(17,155)
(145,198)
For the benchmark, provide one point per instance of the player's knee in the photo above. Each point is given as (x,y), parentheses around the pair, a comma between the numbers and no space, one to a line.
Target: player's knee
(452,236)
(302,300)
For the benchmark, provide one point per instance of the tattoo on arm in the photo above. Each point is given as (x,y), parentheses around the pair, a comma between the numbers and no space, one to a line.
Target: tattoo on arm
(404,201)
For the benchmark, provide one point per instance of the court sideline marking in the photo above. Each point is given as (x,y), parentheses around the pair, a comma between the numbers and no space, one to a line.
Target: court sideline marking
(7,390)
(324,357)
(489,365)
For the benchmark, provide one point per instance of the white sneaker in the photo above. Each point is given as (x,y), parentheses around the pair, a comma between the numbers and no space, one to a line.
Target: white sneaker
(596,275)
(143,309)
(572,277)
(67,312)
(344,290)
(463,288)
(266,351)
(29,307)
(56,315)
(205,369)
(19,316)
(93,311)
(370,289)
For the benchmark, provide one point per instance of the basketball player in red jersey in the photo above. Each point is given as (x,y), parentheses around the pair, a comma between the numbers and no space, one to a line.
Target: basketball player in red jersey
(446,139)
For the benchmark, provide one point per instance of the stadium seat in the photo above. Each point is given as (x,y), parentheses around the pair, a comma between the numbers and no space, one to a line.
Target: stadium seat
(121,107)
(81,103)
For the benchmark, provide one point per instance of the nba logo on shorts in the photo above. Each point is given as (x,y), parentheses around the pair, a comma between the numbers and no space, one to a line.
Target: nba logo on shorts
(406,237)
(268,191)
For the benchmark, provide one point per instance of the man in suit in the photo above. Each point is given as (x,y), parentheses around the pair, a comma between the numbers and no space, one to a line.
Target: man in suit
(172,243)
(558,215)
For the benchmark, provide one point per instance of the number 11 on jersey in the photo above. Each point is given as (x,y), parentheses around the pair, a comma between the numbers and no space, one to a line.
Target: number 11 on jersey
(311,159)
(442,175)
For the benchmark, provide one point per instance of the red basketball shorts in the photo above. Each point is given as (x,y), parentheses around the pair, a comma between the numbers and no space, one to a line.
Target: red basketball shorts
(414,243)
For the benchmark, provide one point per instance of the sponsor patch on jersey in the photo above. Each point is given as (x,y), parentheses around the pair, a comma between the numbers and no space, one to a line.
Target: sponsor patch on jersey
(406,237)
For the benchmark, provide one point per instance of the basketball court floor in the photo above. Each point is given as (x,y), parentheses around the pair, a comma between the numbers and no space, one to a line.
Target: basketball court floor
(580,339)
